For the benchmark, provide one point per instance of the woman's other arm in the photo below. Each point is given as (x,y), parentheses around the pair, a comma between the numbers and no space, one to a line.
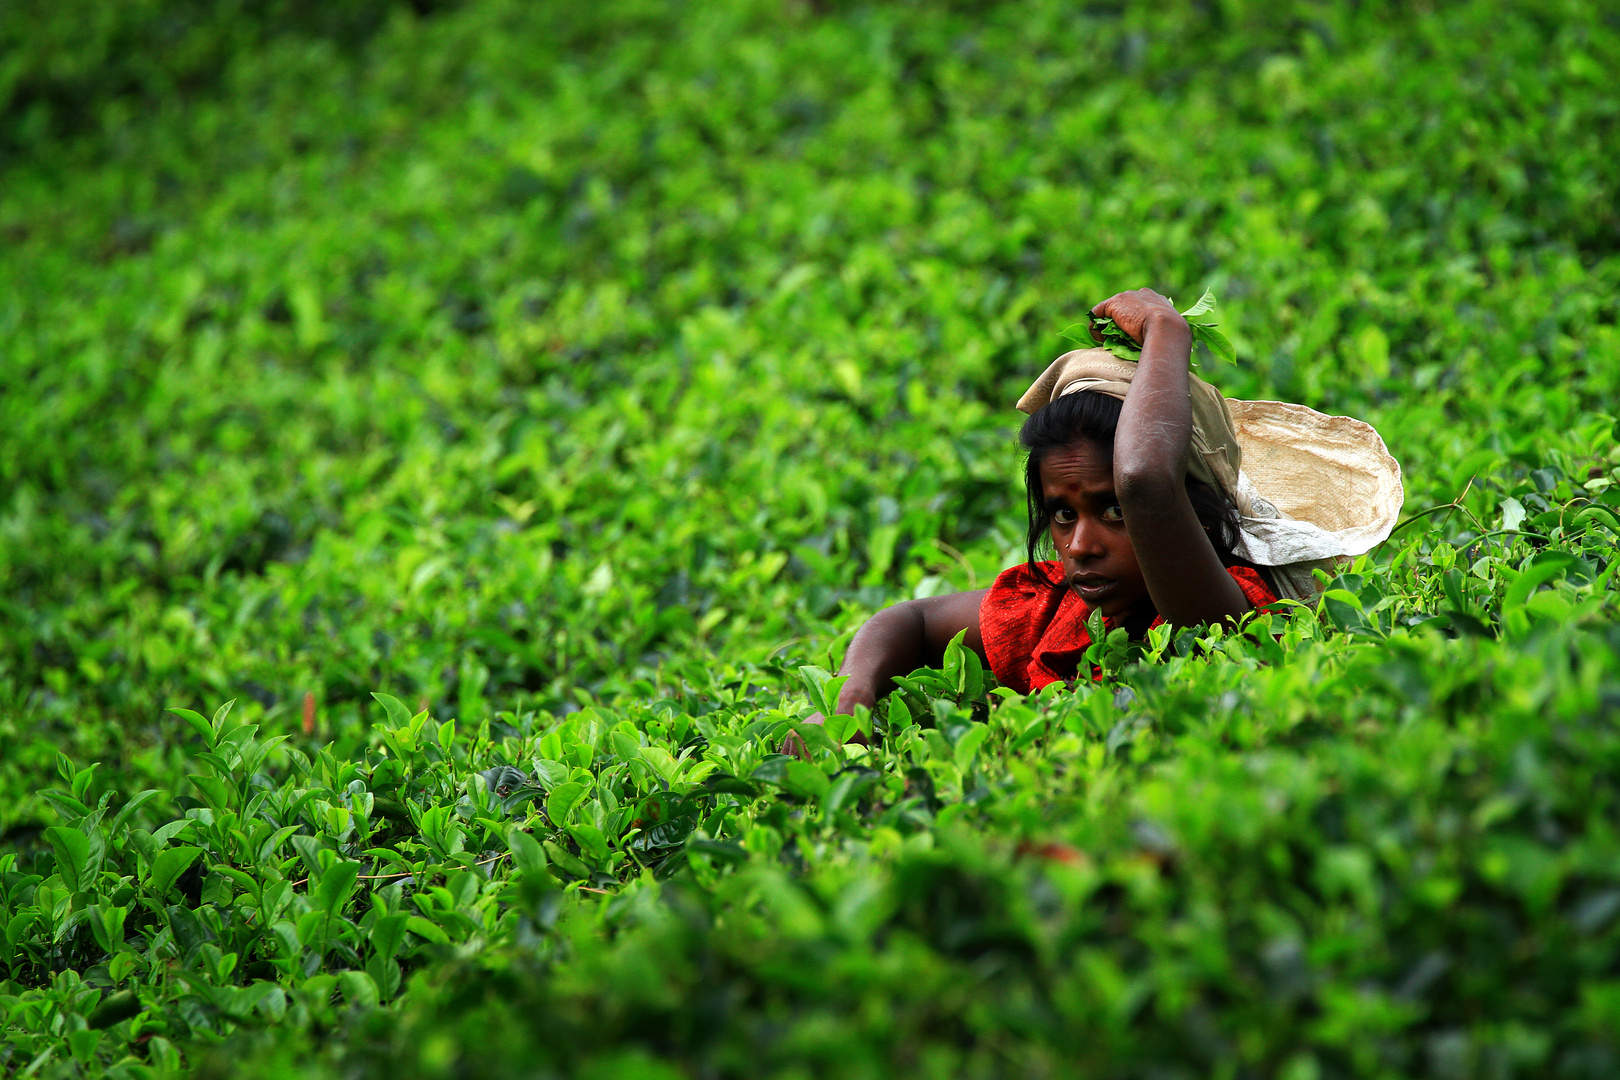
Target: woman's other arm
(900,639)
(1184,576)
(897,641)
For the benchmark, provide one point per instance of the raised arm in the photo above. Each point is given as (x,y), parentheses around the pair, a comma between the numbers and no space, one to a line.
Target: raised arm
(1184,576)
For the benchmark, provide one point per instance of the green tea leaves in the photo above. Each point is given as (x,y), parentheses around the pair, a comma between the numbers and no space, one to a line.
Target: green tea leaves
(115,1009)
(1204,306)
(73,856)
(1102,332)
(821,688)
(198,723)
(421,927)
(170,864)
(1513,513)
(562,800)
(527,854)
(334,886)
(107,925)
(1215,341)
(967,747)
(1080,334)
(398,715)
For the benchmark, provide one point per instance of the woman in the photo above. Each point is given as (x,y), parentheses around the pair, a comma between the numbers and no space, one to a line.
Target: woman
(1134,474)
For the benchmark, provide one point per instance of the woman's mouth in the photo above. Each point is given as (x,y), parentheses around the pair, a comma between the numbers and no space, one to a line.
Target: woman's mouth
(1091,587)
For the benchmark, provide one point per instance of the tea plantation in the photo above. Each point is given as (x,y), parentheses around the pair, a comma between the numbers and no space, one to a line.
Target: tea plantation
(445,445)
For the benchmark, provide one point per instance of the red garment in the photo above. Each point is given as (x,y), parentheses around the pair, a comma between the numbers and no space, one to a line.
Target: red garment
(1034,625)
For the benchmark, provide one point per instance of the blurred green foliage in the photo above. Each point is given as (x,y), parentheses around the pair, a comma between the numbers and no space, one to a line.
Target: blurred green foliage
(71,68)
(583,372)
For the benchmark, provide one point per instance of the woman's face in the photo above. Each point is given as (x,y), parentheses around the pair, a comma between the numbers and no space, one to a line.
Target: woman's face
(1077,485)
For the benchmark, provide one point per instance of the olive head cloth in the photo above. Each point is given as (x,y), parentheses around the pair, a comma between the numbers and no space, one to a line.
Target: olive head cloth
(1310,489)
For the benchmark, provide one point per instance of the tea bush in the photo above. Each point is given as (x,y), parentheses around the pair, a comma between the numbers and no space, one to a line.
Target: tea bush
(512,408)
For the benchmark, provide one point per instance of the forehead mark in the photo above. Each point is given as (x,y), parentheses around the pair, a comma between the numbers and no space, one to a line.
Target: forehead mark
(1083,466)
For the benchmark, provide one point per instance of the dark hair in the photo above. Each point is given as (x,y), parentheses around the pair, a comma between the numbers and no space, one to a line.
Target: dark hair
(1088,417)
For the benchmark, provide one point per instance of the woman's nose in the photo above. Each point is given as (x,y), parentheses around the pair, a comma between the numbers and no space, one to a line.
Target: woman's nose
(1084,539)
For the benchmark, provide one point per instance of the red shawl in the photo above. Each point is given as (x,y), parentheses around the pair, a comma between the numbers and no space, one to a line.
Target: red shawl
(1034,625)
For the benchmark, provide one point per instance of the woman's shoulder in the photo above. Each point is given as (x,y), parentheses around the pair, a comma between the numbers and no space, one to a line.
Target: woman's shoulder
(1014,617)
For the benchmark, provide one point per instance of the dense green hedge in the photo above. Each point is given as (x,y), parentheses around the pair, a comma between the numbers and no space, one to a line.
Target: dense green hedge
(584,373)
(1307,882)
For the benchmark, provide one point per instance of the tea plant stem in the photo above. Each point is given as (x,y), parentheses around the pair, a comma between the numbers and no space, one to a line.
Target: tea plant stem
(407,873)
(1455,504)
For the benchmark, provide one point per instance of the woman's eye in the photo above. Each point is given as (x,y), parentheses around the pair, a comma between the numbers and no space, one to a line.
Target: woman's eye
(1063,516)
(1113,513)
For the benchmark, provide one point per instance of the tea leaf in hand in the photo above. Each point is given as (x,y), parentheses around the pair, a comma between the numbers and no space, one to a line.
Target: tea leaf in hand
(1205,304)
(1215,340)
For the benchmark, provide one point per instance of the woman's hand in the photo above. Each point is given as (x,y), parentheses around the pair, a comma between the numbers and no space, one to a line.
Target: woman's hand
(1138,311)
(794,746)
